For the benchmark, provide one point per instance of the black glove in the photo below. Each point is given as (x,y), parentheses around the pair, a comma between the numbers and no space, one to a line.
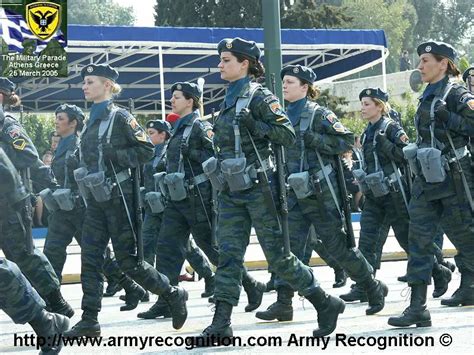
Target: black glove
(72,163)
(441,112)
(246,120)
(109,152)
(311,139)
(185,149)
(381,138)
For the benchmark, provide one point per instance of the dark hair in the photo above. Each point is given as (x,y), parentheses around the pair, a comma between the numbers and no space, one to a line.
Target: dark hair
(313,91)
(53,134)
(12,99)
(256,68)
(196,101)
(80,122)
(452,69)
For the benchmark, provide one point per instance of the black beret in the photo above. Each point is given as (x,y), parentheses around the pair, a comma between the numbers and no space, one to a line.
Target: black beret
(103,70)
(375,93)
(159,125)
(301,72)
(6,85)
(71,110)
(239,45)
(187,87)
(439,48)
(469,72)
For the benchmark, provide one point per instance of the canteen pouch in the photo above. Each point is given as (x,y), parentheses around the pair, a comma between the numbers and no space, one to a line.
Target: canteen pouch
(65,199)
(99,186)
(410,152)
(79,175)
(360,175)
(376,183)
(48,200)
(235,174)
(160,186)
(301,184)
(175,186)
(155,201)
(213,172)
(432,164)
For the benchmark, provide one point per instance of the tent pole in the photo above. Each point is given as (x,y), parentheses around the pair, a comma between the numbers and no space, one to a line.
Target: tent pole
(384,71)
(162,84)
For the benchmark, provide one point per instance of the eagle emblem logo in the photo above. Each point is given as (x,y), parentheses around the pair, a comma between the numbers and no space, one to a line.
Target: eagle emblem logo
(43,18)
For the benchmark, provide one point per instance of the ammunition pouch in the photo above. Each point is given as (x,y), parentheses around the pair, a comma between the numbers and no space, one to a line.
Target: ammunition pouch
(359,176)
(432,164)
(377,184)
(236,174)
(176,187)
(65,199)
(79,175)
(410,152)
(48,200)
(160,184)
(99,186)
(212,170)
(155,201)
(301,184)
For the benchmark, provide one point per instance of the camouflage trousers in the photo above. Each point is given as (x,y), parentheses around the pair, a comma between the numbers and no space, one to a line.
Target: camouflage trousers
(18,299)
(35,266)
(320,210)
(105,221)
(63,226)
(238,212)
(456,221)
(194,255)
(314,243)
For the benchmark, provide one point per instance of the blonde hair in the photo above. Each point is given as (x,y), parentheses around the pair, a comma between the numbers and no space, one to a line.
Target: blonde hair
(115,88)
(313,91)
(385,105)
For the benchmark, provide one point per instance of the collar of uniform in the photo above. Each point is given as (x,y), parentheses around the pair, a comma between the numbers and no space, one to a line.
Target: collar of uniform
(64,144)
(183,121)
(236,89)
(373,126)
(435,89)
(294,110)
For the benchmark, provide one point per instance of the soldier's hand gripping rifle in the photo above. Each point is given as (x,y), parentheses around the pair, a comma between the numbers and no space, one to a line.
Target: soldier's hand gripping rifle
(346,203)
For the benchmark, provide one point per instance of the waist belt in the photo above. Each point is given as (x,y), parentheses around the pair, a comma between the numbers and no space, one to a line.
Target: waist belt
(122,176)
(326,170)
(459,153)
(198,179)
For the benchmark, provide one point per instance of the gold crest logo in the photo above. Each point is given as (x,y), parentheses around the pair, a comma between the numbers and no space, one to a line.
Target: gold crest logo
(43,18)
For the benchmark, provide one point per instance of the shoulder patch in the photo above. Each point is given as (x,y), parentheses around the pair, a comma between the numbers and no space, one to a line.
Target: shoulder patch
(339,127)
(470,104)
(132,123)
(210,133)
(330,116)
(14,132)
(276,108)
(141,136)
(19,144)
(270,99)
(404,138)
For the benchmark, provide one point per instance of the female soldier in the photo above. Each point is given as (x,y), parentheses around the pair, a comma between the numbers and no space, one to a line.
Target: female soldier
(444,122)
(386,195)
(250,119)
(187,149)
(67,207)
(15,239)
(112,143)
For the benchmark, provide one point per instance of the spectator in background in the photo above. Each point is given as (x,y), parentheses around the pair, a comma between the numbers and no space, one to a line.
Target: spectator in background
(47,158)
(405,62)
(54,138)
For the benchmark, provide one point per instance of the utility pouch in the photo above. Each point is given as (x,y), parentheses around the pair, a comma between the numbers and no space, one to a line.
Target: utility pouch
(160,186)
(410,152)
(301,184)
(48,200)
(65,199)
(99,186)
(155,201)
(212,170)
(175,186)
(432,164)
(79,175)
(377,184)
(360,175)
(236,174)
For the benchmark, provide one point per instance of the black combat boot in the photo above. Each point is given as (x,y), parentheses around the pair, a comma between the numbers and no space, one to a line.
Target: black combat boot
(220,327)
(88,326)
(441,277)
(159,309)
(113,287)
(340,278)
(328,308)
(416,313)
(254,290)
(47,325)
(211,299)
(210,283)
(403,278)
(176,298)
(376,293)
(133,293)
(357,293)
(57,304)
(270,285)
(281,309)
(464,295)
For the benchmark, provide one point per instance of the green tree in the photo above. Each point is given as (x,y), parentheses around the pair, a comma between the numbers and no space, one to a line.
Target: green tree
(39,128)
(99,12)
